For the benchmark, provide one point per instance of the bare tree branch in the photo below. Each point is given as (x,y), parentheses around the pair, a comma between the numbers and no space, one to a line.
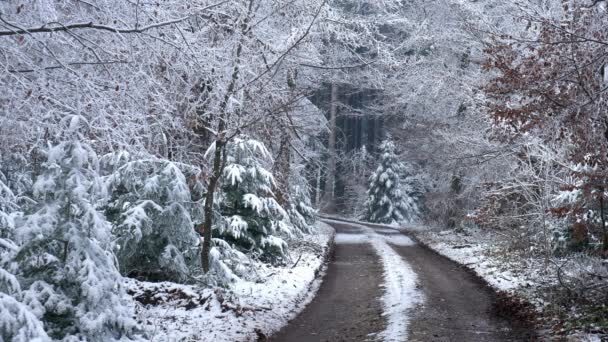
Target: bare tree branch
(59,27)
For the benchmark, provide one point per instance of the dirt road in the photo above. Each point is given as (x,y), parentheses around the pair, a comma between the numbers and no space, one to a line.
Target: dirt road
(456,306)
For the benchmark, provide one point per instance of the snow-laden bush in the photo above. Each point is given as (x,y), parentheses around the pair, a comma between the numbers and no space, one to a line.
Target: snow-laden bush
(152,208)
(252,220)
(301,213)
(387,199)
(65,253)
(8,206)
(17,171)
(17,321)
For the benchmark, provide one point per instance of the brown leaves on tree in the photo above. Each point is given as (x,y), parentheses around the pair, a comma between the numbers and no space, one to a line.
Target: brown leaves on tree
(554,87)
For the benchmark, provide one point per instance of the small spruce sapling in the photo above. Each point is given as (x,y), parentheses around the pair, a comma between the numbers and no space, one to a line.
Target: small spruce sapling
(301,213)
(387,202)
(66,253)
(18,322)
(152,210)
(252,220)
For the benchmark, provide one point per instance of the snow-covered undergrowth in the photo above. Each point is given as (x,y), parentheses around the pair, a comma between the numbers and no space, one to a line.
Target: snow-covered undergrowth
(528,277)
(476,253)
(400,292)
(246,310)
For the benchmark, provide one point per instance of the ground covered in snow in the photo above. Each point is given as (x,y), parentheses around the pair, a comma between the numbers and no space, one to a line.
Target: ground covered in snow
(563,295)
(243,311)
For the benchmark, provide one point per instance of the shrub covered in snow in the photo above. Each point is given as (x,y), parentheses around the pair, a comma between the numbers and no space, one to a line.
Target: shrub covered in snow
(8,205)
(153,211)
(17,323)
(17,320)
(64,255)
(301,213)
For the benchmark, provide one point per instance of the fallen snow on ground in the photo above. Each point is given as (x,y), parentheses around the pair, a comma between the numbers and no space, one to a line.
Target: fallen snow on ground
(246,311)
(400,292)
(479,251)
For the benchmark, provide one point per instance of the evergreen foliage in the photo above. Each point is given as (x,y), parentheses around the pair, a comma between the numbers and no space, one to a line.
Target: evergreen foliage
(17,321)
(153,211)
(252,220)
(301,213)
(387,200)
(64,252)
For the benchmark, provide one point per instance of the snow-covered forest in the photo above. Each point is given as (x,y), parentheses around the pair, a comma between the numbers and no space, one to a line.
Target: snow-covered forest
(167,167)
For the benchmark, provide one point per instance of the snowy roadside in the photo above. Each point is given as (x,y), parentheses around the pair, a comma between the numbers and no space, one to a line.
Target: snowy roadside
(246,311)
(524,283)
(400,291)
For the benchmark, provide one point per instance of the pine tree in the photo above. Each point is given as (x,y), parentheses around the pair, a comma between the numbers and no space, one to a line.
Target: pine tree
(252,220)
(65,250)
(387,200)
(152,210)
(8,205)
(17,322)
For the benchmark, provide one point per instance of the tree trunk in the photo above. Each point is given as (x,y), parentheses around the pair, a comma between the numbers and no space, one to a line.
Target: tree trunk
(603,223)
(207,227)
(318,186)
(219,159)
(281,168)
(330,178)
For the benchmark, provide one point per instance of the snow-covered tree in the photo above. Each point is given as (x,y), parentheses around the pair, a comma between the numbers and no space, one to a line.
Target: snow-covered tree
(299,207)
(252,220)
(17,322)
(151,207)
(8,205)
(65,249)
(387,200)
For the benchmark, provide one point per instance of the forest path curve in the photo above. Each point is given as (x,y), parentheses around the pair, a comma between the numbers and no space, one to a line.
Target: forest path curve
(456,306)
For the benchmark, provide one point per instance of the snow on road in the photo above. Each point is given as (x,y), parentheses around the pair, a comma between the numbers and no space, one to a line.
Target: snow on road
(399,240)
(400,292)
(348,239)
(395,239)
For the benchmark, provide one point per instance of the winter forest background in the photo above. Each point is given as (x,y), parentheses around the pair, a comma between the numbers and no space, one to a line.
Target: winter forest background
(131,129)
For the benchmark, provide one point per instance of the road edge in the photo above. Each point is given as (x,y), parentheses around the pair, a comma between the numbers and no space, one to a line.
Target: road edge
(313,286)
(508,305)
